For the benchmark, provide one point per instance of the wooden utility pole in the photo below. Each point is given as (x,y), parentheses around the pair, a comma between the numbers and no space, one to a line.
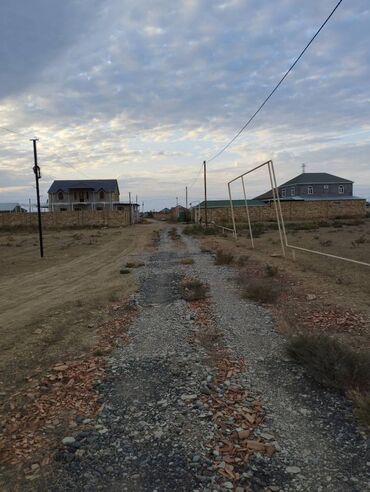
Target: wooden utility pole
(205,193)
(186,194)
(129,199)
(37,171)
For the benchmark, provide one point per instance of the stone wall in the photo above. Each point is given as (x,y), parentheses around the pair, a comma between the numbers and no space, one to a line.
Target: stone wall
(64,220)
(325,209)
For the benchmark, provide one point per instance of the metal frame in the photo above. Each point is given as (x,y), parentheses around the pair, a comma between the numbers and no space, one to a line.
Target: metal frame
(276,200)
(279,218)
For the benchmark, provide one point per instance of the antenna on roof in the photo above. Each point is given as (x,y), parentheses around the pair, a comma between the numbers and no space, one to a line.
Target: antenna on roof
(303,168)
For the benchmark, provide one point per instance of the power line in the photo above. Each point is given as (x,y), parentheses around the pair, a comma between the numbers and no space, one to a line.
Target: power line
(277,85)
(11,131)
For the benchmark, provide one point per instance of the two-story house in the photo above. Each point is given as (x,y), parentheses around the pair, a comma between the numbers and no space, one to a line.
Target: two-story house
(313,186)
(91,194)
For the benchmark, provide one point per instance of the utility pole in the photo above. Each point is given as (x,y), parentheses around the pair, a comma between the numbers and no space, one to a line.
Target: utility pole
(37,171)
(142,208)
(205,193)
(129,199)
(177,201)
(186,193)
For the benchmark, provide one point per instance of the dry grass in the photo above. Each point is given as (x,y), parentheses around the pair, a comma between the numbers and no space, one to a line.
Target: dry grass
(173,233)
(187,261)
(223,258)
(258,289)
(331,363)
(271,270)
(134,264)
(194,290)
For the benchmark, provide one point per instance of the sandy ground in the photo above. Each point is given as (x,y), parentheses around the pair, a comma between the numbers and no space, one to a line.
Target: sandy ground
(49,307)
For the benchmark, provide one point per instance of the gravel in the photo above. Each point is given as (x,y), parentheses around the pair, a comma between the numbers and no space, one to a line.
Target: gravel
(154,433)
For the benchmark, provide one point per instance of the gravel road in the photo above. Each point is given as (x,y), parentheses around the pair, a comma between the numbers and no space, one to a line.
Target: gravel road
(154,433)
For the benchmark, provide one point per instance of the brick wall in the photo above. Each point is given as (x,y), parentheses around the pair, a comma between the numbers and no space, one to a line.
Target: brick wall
(326,209)
(61,220)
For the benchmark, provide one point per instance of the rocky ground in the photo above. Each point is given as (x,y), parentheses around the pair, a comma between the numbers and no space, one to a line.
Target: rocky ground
(175,419)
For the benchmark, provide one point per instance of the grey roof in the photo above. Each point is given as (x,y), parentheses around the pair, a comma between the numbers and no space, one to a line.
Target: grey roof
(226,203)
(91,184)
(315,178)
(8,207)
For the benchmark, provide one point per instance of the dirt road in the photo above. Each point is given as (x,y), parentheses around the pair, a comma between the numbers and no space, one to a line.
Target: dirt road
(204,398)
(49,307)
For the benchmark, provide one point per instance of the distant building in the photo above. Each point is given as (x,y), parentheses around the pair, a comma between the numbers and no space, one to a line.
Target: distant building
(11,208)
(313,186)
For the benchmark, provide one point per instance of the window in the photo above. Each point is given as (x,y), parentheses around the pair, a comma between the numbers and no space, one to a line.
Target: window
(101,195)
(341,189)
(292,190)
(283,193)
(326,187)
(60,195)
(310,190)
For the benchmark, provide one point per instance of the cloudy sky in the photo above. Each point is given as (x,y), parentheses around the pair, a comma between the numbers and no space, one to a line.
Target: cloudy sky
(145,90)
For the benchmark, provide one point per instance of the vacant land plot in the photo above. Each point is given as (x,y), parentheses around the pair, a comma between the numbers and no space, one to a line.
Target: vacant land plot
(49,307)
(315,290)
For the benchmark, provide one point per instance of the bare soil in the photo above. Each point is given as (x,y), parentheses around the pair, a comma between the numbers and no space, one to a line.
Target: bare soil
(50,308)
(337,287)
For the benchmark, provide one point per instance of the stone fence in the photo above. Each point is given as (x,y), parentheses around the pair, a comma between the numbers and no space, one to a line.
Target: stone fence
(324,209)
(65,220)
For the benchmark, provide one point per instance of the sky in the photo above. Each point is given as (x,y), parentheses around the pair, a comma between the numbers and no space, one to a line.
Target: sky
(144,91)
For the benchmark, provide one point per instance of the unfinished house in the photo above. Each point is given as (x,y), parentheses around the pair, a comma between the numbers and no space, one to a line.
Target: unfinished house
(87,194)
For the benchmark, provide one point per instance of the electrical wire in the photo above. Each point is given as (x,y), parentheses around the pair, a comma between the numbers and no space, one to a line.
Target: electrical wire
(277,85)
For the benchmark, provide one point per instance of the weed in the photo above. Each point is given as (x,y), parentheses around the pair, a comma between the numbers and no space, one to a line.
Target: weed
(194,290)
(360,240)
(259,289)
(362,406)
(124,271)
(271,270)
(174,234)
(187,261)
(326,243)
(198,230)
(134,264)
(242,260)
(331,363)
(223,258)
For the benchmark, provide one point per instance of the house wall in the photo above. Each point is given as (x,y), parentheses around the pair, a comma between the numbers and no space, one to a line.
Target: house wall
(73,197)
(325,209)
(318,189)
(50,220)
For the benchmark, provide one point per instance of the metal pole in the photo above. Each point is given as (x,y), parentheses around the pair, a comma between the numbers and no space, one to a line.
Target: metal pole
(274,191)
(232,212)
(177,201)
(186,193)
(249,220)
(205,193)
(37,172)
(142,208)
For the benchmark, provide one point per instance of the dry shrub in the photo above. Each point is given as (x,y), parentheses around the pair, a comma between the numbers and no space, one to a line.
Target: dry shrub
(362,406)
(330,362)
(194,290)
(134,264)
(242,260)
(271,270)
(258,289)
(187,261)
(124,271)
(174,234)
(223,258)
